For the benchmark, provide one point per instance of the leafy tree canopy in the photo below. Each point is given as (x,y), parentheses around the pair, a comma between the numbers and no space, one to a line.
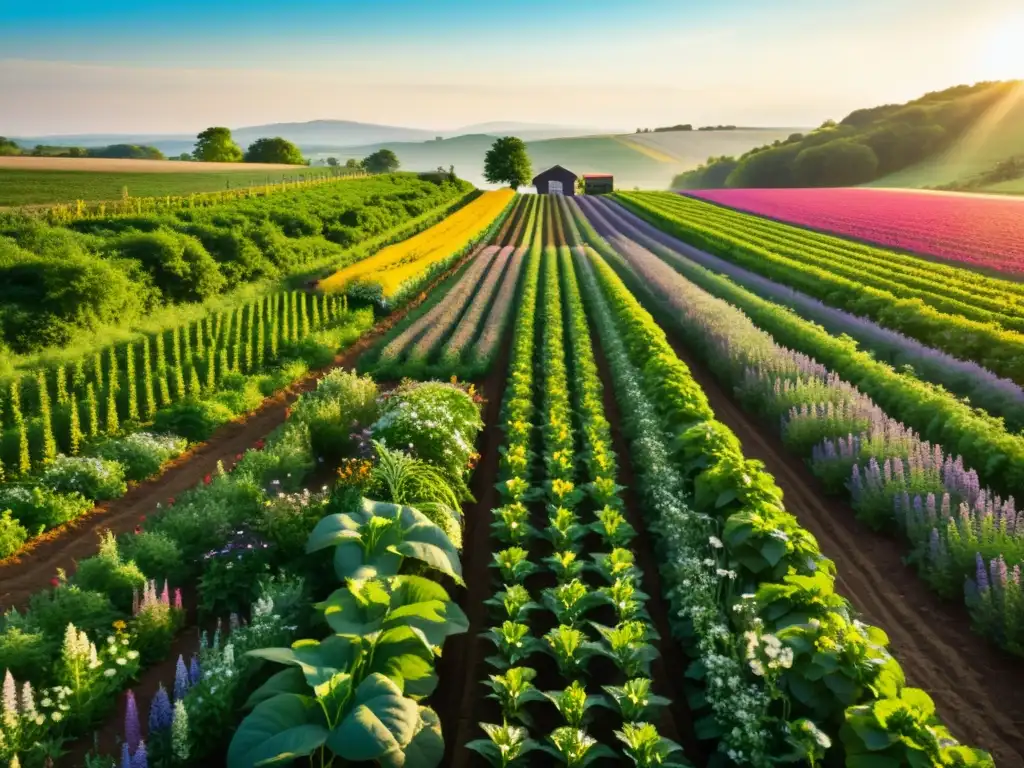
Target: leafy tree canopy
(332,161)
(507,162)
(215,145)
(275,150)
(8,147)
(381,161)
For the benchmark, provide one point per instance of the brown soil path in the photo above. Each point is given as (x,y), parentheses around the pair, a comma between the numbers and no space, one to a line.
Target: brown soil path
(978,690)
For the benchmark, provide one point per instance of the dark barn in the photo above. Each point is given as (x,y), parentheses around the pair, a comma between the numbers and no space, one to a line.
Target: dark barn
(598,183)
(556,180)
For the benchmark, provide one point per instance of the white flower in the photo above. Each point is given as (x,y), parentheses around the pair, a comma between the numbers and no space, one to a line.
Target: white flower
(122,661)
(109,672)
(57,716)
(133,654)
(715,542)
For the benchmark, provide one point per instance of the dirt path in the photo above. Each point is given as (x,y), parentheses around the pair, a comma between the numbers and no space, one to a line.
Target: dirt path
(979,691)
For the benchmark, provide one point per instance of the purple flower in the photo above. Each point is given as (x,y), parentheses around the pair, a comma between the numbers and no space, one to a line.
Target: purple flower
(981,575)
(161,716)
(140,759)
(181,680)
(132,727)
(195,674)
(126,757)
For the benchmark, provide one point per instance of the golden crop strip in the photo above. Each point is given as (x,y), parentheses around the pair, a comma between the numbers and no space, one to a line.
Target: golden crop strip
(396,264)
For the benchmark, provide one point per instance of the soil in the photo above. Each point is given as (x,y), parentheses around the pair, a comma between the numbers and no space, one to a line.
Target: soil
(978,690)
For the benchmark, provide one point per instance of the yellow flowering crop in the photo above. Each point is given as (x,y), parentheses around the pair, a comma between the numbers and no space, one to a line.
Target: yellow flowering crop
(395,265)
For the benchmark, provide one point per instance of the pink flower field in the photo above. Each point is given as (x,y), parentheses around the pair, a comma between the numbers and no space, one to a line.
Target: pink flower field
(982,231)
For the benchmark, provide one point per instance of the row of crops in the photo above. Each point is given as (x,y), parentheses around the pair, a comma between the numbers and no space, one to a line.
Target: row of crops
(910,456)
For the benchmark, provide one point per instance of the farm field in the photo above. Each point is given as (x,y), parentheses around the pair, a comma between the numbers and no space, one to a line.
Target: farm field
(50,180)
(977,231)
(522,478)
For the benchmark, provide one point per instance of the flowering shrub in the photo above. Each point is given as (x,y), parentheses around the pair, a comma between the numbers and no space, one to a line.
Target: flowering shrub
(435,421)
(40,509)
(12,534)
(342,401)
(109,573)
(94,478)
(231,573)
(142,453)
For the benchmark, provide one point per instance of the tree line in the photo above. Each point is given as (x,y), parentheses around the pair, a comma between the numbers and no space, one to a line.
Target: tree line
(865,145)
(686,127)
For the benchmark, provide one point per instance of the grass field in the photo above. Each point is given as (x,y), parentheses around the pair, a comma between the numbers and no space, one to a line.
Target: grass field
(44,180)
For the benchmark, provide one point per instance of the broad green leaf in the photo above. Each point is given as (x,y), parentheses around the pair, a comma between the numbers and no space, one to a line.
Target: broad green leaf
(427,542)
(279,731)
(331,530)
(288,680)
(426,750)
(404,655)
(352,561)
(319,661)
(381,722)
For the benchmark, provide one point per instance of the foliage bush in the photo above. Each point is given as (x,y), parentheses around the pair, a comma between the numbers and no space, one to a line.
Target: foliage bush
(142,453)
(109,573)
(40,509)
(435,421)
(94,478)
(342,403)
(156,554)
(194,420)
(13,534)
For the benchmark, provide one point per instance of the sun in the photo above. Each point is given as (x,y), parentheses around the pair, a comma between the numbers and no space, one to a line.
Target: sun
(1002,53)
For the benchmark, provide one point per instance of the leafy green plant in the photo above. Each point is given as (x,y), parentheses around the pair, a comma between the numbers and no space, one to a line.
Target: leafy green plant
(364,607)
(613,528)
(627,644)
(627,600)
(573,703)
(512,524)
(904,731)
(514,565)
(377,538)
(570,649)
(566,565)
(505,745)
(646,747)
(571,601)
(634,700)
(564,530)
(513,690)
(575,748)
(515,601)
(617,564)
(514,644)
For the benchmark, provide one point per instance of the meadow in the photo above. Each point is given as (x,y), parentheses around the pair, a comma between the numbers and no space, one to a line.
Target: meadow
(512,480)
(49,180)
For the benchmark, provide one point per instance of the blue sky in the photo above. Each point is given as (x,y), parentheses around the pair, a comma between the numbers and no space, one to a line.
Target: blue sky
(71,67)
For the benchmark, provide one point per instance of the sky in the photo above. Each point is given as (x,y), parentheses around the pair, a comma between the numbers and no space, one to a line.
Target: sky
(161,68)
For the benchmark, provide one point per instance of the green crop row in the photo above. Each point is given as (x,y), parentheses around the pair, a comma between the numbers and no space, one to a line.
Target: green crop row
(781,667)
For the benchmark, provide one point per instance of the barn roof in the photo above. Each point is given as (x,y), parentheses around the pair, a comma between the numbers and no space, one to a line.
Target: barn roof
(597,176)
(546,171)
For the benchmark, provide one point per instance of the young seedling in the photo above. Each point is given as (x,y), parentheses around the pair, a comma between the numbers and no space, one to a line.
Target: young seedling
(617,564)
(570,602)
(646,747)
(573,703)
(627,600)
(566,565)
(514,565)
(575,748)
(570,649)
(634,700)
(627,645)
(513,642)
(564,530)
(512,524)
(514,602)
(613,528)
(513,691)
(506,745)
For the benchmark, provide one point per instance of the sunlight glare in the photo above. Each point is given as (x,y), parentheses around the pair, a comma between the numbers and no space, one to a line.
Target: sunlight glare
(1003,52)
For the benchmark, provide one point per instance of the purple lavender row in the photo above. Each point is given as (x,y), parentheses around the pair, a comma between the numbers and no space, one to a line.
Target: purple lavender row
(887,469)
(431,318)
(999,396)
(466,329)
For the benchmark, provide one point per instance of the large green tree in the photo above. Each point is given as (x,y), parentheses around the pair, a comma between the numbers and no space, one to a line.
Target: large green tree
(8,147)
(215,145)
(275,150)
(381,161)
(507,162)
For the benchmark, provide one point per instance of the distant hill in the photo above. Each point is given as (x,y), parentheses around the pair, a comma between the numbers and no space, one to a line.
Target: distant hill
(634,160)
(881,145)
